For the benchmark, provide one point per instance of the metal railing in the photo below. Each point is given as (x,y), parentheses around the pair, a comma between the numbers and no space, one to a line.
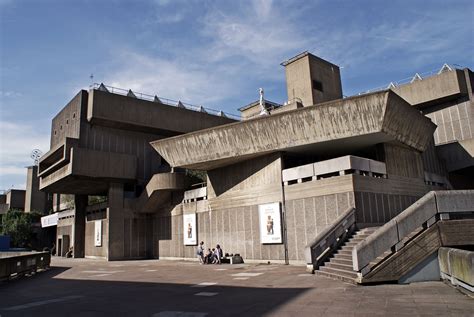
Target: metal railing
(321,247)
(408,80)
(166,101)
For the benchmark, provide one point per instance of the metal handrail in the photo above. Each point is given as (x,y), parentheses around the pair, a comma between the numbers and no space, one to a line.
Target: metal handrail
(408,80)
(321,247)
(166,101)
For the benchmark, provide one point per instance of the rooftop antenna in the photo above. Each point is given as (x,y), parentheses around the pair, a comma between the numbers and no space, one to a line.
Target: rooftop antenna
(35,155)
(92,80)
(263,110)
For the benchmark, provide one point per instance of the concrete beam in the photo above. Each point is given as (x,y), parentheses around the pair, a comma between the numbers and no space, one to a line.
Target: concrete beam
(353,123)
(124,112)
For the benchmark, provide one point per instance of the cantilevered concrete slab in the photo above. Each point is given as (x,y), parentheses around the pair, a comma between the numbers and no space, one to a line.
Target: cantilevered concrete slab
(123,112)
(350,123)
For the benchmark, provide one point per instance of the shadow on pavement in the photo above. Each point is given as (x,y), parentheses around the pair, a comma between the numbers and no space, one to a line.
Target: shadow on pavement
(45,295)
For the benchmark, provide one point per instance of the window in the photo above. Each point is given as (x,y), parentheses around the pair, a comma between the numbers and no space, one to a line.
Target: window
(317,85)
(67,121)
(74,115)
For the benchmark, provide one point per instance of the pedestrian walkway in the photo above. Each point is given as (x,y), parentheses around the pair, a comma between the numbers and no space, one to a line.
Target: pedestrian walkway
(173,288)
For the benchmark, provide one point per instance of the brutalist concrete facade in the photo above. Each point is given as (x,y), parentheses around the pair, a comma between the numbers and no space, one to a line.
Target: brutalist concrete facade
(314,157)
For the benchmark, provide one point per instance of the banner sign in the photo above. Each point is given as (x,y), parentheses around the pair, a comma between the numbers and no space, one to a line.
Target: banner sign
(49,221)
(189,229)
(270,223)
(98,233)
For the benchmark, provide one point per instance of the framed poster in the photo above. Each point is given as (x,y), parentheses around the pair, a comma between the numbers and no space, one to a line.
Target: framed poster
(98,233)
(270,223)
(189,229)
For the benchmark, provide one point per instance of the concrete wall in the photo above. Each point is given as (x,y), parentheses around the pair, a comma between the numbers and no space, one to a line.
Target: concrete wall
(307,217)
(16,199)
(137,144)
(403,161)
(300,74)
(67,123)
(455,121)
(447,85)
(90,249)
(35,200)
(140,115)
(127,230)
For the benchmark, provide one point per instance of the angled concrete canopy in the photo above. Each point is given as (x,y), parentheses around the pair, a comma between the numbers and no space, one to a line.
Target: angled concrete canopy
(354,122)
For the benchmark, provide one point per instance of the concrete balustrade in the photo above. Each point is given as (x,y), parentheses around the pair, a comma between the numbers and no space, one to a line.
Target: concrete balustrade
(457,266)
(341,165)
(195,194)
(435,179)
(424,212)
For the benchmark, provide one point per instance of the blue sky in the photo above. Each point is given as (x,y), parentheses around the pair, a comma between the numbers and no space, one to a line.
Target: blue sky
(211,53)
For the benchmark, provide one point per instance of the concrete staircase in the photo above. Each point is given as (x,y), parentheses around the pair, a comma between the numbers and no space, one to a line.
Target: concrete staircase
(339,265)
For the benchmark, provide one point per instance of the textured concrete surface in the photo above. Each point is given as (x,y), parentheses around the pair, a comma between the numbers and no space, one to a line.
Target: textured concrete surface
(83,287)
(367,120)
(445,86)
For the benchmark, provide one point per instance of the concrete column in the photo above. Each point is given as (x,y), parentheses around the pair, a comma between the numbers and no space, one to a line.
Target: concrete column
(115,218)
(80,202)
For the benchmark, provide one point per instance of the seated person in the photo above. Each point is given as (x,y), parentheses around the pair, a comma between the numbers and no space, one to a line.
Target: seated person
(209,257)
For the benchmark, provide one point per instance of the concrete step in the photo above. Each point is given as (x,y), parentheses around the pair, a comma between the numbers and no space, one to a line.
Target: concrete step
(341,261)
(359,237)
(340,272)
(346,247)
(340,266)
(352,244)
(343,256)
(344,252)
(336,277)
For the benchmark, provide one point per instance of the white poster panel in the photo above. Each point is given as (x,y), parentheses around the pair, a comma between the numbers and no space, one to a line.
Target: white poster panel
(189,229)
(270,223)
(98,233)
(49,220)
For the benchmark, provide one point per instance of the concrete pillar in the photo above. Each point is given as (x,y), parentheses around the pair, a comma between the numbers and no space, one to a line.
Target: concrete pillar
(80,202)
(115,218)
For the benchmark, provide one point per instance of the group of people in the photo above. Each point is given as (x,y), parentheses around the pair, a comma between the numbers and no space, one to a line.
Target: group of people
(213,256)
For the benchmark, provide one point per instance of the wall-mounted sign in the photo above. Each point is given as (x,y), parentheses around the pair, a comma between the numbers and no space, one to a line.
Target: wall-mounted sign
(98,233)
(270,223)
(49,220)
(189,229)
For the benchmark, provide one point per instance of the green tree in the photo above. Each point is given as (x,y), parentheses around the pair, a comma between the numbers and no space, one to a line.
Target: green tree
(18,225)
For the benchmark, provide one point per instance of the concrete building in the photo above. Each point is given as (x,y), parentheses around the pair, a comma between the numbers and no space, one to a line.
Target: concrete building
(12,199)
(36,200)
(100,146)
(279,186)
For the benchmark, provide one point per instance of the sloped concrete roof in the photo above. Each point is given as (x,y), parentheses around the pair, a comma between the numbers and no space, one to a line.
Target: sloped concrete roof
(354,122)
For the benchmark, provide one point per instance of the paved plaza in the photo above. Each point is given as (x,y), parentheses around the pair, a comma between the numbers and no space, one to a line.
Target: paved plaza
(84,287)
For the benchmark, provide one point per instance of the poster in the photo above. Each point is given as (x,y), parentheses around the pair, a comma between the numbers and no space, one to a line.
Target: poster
(270,223)
(98,233)
(189,232)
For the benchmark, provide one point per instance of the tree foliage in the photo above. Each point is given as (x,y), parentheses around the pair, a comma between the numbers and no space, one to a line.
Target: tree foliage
(18,225)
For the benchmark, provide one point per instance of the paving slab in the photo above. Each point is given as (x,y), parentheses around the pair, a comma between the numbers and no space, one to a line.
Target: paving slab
(87,287)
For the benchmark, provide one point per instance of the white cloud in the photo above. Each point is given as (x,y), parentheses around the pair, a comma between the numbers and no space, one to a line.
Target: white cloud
(16,143)
(10,94)
(261,33)
(174,79)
